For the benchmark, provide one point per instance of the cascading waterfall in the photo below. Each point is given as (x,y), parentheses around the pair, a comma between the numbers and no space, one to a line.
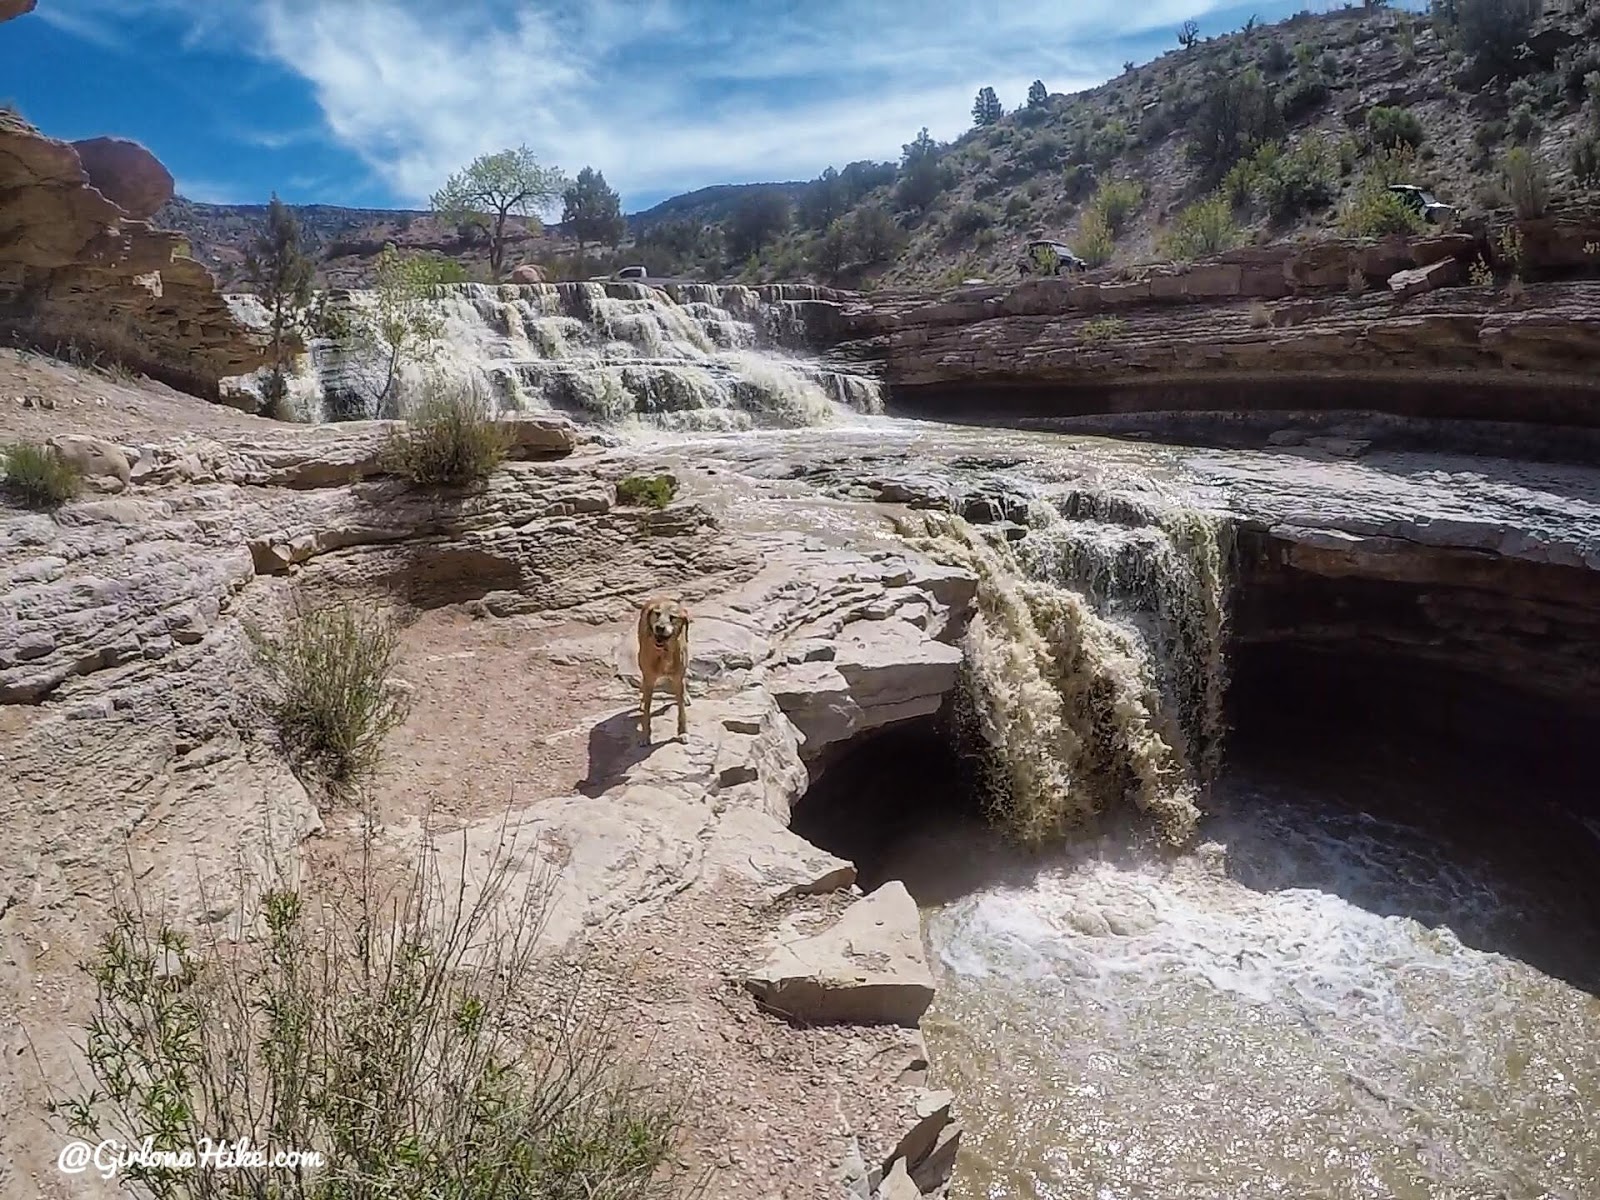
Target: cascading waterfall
(688,357)
(1094,666)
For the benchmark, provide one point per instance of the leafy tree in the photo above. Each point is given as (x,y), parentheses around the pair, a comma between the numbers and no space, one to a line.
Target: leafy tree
(874,237)
(1188,35)
(1493,30)
(859,178)
(825,200)
(760,217)
(1527,182)
(278,265)
(402,325)
(1095,243)
(496,187)
(593,211)
(1237,114)
(830,252)
(922,175)
(1037,95)
(986,109)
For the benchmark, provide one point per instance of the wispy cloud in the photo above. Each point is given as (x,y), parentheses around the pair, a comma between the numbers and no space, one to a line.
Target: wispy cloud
(659,94)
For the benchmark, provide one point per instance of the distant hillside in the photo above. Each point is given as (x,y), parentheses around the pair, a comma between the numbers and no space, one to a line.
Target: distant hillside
(710,205)
(1293,128)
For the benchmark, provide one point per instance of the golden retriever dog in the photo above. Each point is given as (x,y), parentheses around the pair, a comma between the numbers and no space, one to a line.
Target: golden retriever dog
(663,655)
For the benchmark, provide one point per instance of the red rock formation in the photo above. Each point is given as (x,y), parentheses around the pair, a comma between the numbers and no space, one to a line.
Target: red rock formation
(126,174)
(74,265)
(15,8)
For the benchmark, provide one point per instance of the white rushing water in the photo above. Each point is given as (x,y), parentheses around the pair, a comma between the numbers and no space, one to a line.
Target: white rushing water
(1287,1011)
(689,357)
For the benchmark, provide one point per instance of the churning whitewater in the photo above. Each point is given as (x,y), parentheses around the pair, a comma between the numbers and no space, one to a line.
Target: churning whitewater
(681,357)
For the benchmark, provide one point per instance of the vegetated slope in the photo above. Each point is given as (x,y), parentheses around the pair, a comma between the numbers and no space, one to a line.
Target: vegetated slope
(1295,123)
(1034,173)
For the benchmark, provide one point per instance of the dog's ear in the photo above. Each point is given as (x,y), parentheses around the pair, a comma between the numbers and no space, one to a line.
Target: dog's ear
(686,618)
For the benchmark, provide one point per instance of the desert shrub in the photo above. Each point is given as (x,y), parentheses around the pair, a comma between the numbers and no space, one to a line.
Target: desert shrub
(1016,205)
(407,1039)
(1392,128)
(1585,159)
(1374,211)
(1240,183)
(1305,96)
(1100,330)
(1205,227)
(1095,243)
(970,218)
(451,438)
(1108,143)
(647,491)
(1237,114)
(1276,59)
(1509,246)
(1489,135)
(1348,153)
(1526,182)
(1300,181)
(1493,30)
(874,236)
(1305,53)
(1329,65)
(331,701)
(36,476)
(1115,200)
(1079,182)
(1043,151)
(1524,125)
(1392,166)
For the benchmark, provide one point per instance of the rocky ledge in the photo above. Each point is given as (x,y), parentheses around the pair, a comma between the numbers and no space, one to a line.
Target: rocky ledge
(127,726)
(1375,330)
(80,265)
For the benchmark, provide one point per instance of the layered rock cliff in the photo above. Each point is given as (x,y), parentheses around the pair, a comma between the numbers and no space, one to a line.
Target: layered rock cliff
(80,269)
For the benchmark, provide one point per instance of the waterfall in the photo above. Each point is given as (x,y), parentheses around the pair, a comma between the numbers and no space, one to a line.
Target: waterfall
(1094,668)
(681,357)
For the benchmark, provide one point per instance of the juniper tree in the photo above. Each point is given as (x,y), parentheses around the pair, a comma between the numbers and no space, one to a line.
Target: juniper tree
(279,267)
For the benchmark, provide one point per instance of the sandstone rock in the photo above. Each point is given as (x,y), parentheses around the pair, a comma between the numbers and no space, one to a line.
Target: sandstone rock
(126,174)
(74,265)
(897,1184)
(758,846)
(867,969)
(526,273)
(104,466)
(1418,280)
(540,435)
(15,8)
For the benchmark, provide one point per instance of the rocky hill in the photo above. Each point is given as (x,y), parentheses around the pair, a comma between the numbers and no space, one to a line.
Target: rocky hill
(1294,124)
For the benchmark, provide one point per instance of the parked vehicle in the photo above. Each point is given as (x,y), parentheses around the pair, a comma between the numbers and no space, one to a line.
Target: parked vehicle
(1424,203)
(632,273)
(1049,258)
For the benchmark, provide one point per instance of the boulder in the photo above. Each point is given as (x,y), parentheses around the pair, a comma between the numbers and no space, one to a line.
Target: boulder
(104,466)
(15,8)
(540,435)
(526,273)
(897,1184)
(126,174)
(1420,280)
(868,969)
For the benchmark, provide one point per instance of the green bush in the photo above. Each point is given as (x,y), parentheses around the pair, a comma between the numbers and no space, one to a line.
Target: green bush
(1302,180)
(1305,96)
(1276,59)
(1237,114)
(331,699)
(451,438)
(1494,30)
(1206,227)
(970,218)
(1100,330)
(647,491)
(1115,200)
(1078,181)
(1524,125)
(1374,211)
(1016,205)
(1526,181)
(36,476)
(411,1038)
(1393,128)
(1095,244)
(1585,158)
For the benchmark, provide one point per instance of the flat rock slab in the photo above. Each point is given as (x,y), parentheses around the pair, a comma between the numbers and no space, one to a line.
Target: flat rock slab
(868,969)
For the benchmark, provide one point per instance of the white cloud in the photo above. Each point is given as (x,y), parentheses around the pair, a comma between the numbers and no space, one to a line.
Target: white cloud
(661,95)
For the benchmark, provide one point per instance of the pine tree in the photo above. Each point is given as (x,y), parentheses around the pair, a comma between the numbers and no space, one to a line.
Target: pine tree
(1037,94)
(593,211)
(986,109)
(279,267)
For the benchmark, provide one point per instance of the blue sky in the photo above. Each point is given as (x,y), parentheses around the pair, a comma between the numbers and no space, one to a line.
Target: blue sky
(374,102)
